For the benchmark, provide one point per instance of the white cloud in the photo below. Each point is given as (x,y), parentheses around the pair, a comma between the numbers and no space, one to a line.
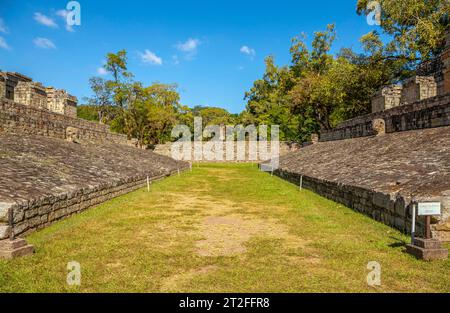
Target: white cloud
(190,45)
(63,14)
(44,43)
(44,20)
(248,51)
(102,71)
(150,58)
(3,28)
(3,44)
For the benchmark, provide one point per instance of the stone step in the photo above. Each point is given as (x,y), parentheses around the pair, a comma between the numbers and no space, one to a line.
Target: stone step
(427,243)
(427,254)
(16,253)
(11,249)
(12,244)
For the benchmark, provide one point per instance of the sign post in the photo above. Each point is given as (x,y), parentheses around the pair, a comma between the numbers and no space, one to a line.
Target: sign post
(428,209)
(413,226)
(426,248)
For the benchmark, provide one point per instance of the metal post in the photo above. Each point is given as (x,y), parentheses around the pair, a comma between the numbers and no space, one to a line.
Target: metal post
(148,184)
(413,226)
(427,227)
(300,185)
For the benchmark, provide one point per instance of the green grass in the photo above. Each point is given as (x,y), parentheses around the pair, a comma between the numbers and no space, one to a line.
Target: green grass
(221,228)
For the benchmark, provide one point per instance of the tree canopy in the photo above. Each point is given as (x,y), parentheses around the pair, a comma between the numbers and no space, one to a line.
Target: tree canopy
(314,92)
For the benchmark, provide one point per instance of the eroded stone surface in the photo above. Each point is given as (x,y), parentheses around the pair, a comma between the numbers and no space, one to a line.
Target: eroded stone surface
(379,175)
(48,179)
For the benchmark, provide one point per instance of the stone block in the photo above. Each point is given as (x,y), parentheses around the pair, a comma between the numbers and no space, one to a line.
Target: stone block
(418,88)
(72,134)
(447,80)
(4,211)
(5,231)
(386,98)
(381,200)
(427,254)
(379,126)
(21,227)
(31,94)
(427,243)
(18,215)
(11,249)
(59,101)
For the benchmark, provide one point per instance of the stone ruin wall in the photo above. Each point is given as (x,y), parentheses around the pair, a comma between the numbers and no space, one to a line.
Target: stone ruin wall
(284,148)
(429,113)
(31,108)
(387,98)
(32,94)
(23,90)
(446,65)
(19,118)
(60,101)
(432,79)
(418,88)
(414,89)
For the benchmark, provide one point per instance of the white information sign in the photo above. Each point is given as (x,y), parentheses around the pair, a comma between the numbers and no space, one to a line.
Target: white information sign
(429,208)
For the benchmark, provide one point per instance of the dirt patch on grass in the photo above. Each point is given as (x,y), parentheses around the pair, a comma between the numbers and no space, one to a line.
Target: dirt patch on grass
(227,235)
(175,283)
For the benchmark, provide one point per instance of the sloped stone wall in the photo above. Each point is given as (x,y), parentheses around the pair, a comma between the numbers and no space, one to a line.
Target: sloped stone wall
(380,175)
(44,179)
(35,214)
(392,210)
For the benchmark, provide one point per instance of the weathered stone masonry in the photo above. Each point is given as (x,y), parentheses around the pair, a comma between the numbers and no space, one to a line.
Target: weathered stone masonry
(22,89)
(284,148)
(433,112)
(46,179)
(18,118)
(29,216)
(393,210)
(379,175)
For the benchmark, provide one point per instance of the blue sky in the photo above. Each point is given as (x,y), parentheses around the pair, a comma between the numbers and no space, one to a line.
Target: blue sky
(213,50)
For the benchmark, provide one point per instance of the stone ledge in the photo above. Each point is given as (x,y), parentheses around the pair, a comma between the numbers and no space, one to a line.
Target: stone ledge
(429,113)
(11,249)
(427,254)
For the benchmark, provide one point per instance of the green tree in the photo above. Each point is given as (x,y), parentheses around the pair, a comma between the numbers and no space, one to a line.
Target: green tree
(213,116)
(145,113)
(102,99)
(417,27)
(88,112)
(268,101)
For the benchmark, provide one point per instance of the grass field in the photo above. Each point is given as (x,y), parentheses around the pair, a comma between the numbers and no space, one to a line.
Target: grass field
(221,228)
